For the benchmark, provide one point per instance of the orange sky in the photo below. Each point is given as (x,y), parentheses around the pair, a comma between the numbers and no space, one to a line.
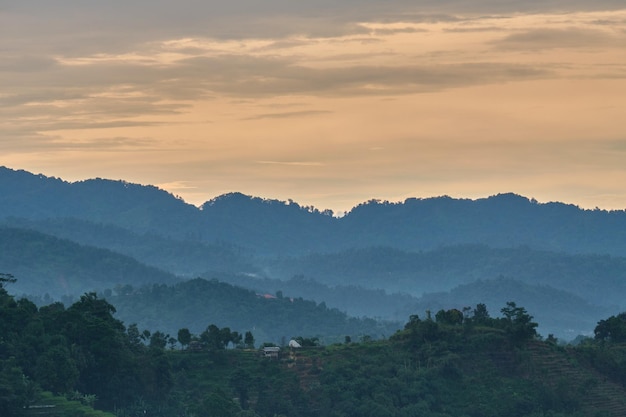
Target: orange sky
(328,111)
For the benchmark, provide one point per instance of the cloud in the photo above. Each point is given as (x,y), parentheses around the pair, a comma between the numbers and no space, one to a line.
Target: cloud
(28,63)
(263,76)
(292,163)
(71,26)
(475,29)
(38,143)
(393,31)
(286,115)
(176,185)
(551,38)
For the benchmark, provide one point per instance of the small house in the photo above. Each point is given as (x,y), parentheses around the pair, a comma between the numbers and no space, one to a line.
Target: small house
(271,351)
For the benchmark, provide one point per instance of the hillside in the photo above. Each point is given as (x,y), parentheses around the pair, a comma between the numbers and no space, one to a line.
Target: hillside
(187,258)
(598,278)
(197,303)
(46,264)
(447,364)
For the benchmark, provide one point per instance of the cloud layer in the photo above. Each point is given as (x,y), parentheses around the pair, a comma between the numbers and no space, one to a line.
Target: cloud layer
(329,103)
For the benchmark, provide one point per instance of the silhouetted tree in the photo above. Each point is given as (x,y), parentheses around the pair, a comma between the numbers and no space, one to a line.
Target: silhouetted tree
(249,340)
(184,337)
(518,323)
(612,329)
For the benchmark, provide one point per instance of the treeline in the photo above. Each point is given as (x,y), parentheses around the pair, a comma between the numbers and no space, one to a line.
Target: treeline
(443,364)
(81,351)
(84,353)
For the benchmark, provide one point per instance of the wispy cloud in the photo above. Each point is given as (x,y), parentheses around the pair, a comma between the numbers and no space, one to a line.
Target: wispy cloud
(549,38)
(288,115)
(292,163)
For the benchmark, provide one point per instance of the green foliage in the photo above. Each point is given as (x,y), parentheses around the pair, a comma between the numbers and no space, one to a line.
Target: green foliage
(14,389)
(74,404)
(184,337)
(6,279)
(79,349)
(455,363)
(613,329)
(518,323)
(248,340)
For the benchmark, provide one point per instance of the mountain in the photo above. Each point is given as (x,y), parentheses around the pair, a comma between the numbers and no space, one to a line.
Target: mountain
(273,227)
(600,279)
(135,207)
(503,220)
(377,261)
(186,258)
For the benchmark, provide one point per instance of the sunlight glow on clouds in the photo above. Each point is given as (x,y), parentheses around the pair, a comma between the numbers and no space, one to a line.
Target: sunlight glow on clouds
(292,106)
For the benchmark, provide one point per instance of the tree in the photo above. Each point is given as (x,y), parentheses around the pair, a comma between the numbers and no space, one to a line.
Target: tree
(612,329)
(134,338)
(481,315)
(518,323)
(307,341)
(158,340)
(212,337)
(6,279)
(226,336)
(449,317)
(236,339)
(14,389)
(184,337)
(248,340)
(103,345)
(56,371)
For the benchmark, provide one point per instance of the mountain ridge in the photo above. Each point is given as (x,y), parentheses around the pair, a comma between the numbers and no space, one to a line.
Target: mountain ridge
(390,254)
(271,226)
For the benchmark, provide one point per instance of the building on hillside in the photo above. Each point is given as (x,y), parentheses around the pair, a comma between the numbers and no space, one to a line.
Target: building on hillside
(271,352)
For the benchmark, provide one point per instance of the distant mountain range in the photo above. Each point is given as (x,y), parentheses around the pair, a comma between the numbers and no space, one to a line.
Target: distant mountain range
(271,227)
(382,259)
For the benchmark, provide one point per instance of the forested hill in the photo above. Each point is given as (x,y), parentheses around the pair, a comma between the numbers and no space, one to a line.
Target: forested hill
(272,317)
(273,227)
(57,267)
(601,279)
(82,361)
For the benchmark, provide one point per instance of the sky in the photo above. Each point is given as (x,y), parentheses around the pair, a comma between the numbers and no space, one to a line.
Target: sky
(326,103)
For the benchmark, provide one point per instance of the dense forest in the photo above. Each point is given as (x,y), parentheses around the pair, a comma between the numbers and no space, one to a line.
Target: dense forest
(74,361)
